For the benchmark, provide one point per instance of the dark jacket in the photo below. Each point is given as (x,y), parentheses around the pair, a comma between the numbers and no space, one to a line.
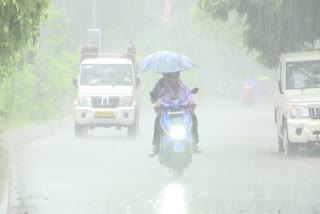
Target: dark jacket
(155,93)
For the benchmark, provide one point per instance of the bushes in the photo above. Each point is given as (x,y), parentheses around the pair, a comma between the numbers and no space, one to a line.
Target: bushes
(39,92)
(40,85)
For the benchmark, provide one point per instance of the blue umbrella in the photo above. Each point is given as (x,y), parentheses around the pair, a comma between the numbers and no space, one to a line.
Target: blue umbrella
(165,62)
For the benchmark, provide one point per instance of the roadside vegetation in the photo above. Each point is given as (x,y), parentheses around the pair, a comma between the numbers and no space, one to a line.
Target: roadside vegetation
(36,67)
(274,26)
(41,87)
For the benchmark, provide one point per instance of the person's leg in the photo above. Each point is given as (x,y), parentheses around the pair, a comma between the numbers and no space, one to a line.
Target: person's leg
(156,135)
(195,133)
(195,128)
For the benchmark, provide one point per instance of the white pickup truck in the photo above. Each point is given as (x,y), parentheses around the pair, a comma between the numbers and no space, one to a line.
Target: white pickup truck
(297,102)
(106,95)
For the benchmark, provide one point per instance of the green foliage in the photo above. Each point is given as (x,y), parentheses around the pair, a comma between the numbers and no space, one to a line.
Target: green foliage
(21,91)
(54,89)
(19,27)
(275,26)
(52,70)
(40,86)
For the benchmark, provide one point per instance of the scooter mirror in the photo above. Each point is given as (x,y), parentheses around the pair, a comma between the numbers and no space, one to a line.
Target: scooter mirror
(194,90)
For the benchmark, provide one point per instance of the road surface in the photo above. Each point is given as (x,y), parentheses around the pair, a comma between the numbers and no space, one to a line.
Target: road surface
(239,170)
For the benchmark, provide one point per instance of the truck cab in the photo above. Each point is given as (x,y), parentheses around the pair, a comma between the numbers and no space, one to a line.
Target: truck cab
(297,101)
(107,95)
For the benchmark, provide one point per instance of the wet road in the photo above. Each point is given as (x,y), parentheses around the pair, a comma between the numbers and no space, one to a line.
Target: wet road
(239,170)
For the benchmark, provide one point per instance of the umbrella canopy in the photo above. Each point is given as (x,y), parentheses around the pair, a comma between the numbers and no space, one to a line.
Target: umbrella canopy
(165,62)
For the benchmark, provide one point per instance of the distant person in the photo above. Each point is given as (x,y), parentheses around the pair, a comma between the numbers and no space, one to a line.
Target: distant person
(131,51)
(93,50)
(252,85)
(84,53)
(155,93)
(173,86)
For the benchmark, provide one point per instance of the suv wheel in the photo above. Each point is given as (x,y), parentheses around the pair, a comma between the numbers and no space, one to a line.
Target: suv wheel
(280,142)
(280,145)
(289,149)
(80,130)
(134,128)
(132,131)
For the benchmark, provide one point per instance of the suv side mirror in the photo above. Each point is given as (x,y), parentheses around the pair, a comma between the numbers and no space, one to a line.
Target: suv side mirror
(194,90)
(75,82)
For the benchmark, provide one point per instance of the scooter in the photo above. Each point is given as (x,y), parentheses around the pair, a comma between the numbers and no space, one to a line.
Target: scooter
(176,140)
(248,95)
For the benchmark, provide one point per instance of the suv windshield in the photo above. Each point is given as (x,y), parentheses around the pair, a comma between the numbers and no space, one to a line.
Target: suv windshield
(100,74)
(303,74)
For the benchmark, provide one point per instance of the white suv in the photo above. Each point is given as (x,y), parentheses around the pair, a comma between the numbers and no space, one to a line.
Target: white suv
(297,101)
(106,95)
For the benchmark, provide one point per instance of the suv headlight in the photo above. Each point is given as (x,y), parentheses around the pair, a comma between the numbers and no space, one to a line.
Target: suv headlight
(84,100)
(298,111)
(126,101)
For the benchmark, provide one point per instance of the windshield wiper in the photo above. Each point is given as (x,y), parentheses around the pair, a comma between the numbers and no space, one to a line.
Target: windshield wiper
(99,82)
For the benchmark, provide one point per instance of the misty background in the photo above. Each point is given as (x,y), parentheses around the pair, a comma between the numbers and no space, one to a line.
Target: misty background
(214,46)
(239,171)
(45,69)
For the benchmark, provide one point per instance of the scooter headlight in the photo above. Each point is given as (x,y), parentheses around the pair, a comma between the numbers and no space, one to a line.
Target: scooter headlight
(178,132)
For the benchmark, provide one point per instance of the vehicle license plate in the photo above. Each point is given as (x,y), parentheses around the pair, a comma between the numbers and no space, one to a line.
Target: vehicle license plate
(101,114)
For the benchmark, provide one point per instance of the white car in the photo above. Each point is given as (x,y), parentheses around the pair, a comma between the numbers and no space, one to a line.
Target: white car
(106,95)
(297,101)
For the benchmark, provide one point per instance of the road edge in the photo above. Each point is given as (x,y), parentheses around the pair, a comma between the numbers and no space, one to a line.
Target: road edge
(15,137)
(4,203)
(35,131)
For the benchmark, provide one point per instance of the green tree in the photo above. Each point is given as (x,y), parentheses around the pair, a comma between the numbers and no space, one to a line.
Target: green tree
(275,26)
(46,83)
(19,27)
(41,88)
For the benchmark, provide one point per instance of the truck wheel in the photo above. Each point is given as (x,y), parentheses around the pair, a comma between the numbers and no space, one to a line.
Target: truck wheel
(280,145)
(289,149)
(134,129)
(280,142)
(80,130)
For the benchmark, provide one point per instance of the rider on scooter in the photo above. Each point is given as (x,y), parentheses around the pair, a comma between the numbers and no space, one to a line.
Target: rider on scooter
(173,87)
(155,93)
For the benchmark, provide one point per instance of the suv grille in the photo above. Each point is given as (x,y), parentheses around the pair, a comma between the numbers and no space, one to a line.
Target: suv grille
(314,112)
(104,102)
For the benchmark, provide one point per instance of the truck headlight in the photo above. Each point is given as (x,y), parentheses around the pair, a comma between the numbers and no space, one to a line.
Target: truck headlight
(298,111)
(126,101)
(84,100)
(177,132)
